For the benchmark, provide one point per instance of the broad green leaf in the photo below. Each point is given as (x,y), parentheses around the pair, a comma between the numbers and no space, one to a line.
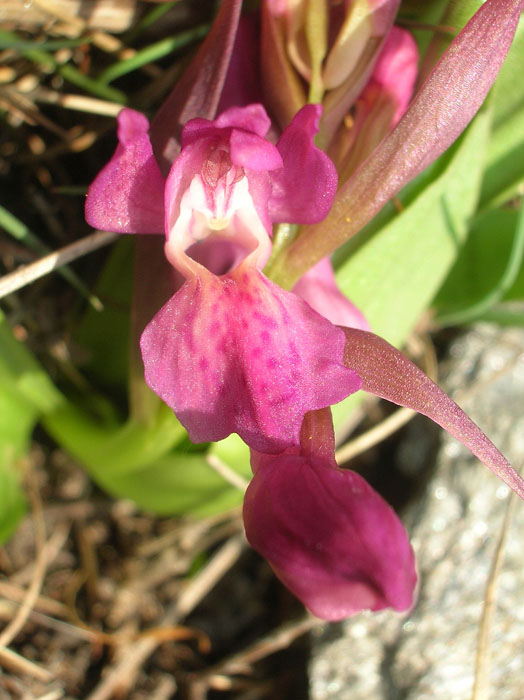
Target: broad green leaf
(393,278)
(25,390)
(419,17)
(395,275)
(113,449)
(488,270)
(150,464)
(22,375)
(504,170)
(505,315)
(454,15)
(175,484)
(12,502)
(17,419)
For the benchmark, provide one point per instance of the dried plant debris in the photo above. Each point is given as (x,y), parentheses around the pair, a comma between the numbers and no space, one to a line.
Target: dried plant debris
(116,603)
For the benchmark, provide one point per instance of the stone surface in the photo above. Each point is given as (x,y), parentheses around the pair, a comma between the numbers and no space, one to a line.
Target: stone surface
(455,524)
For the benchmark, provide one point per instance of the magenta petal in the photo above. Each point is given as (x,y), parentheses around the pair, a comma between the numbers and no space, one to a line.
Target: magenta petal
(304,189)
(329,537)
(127,195)
(253,152)
(251,118)
(319,288)
(395,71)
(239,354)
(387,373)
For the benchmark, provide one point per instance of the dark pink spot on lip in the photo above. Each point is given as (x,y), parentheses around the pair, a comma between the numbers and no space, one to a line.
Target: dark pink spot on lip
(265,320)
(203,363)
(272,363)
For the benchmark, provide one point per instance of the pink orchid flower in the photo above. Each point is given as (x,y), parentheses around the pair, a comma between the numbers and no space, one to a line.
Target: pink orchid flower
(230,351)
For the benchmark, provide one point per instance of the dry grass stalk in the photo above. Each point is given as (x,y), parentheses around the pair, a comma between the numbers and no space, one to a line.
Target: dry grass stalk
(29,273)
(108,15)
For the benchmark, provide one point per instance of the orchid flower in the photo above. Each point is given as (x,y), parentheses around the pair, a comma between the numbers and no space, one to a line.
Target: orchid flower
(230,351)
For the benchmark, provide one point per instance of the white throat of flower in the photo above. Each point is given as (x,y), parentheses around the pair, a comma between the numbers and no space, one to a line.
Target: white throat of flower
(222,208)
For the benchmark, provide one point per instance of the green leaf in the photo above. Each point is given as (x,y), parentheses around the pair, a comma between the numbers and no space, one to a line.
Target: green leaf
(504,172)
(175,484)
(119,449)
(25,390)
(147,463)
(152,52)
(455,15)
(509,314)
(17,419)
(393,277)
(22,375)
(488,270)
(413,14)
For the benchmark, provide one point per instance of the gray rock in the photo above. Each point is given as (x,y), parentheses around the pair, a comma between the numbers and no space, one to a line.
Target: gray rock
(430,652)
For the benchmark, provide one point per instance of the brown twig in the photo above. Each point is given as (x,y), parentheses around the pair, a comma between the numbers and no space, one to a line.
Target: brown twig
(123,675)
(29,273)
(374,435)
(241,662)
(46,605)
(12,660)
(217,566)
(52,547)
(79,103)
(19,620)
(230,475)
